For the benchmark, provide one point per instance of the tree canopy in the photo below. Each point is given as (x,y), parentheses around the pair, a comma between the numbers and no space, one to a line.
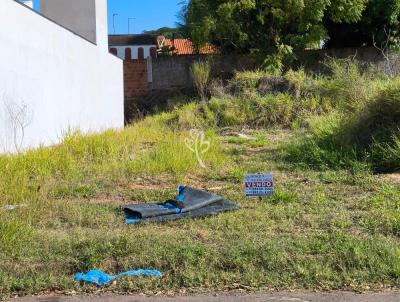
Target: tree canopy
(167,32)
(380,21)
(267,25)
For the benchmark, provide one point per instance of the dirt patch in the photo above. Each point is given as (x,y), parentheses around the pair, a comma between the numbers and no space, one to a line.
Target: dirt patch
(257,151)
(393,178)
(241,132)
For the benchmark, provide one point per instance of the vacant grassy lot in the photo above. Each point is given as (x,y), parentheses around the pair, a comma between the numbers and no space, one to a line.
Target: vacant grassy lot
(332,224)
(322,229)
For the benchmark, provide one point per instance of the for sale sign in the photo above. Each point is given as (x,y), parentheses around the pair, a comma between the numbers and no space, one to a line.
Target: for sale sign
(259,185)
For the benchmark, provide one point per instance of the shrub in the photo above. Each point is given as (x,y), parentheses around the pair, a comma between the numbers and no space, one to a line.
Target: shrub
(218,89)
(298,80)
(319,154)
(348,84)
(272,110)
(253,110)
(201,72)
(225,111)
(351,84)
(377,120)
(245,81)
(251,77)
(371,135)
(188,116)
(250,109)
(385,156)
(325,125)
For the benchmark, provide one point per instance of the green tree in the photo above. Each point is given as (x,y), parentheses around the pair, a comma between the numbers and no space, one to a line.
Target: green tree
(265,25)
(380,21)
(167,32)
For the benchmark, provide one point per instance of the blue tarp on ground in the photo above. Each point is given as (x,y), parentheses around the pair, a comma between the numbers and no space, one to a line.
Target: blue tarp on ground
(189,203)
(99,278)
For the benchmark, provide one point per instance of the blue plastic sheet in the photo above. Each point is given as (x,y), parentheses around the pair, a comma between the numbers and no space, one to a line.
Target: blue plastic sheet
(99,278)
(188,203)
(132,220)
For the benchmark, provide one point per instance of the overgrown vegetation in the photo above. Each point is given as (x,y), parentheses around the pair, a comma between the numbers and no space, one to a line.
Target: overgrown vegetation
(265,26)
(364,125)
(332,224)
(351,114)
(201,73)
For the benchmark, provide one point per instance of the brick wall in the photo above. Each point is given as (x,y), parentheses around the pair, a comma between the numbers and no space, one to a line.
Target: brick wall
(135,78)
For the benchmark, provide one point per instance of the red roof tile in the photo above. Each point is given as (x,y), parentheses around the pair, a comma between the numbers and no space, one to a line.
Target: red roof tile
(185,47)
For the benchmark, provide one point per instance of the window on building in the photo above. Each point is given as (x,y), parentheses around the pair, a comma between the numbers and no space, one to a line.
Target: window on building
(114,51)
(141,53)
(128,54)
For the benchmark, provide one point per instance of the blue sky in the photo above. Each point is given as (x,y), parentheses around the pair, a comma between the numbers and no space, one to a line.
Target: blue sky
(148,14)
(36,4)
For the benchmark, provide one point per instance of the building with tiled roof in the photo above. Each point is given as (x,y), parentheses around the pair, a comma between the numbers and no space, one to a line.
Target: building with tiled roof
(185,47)
(129,47)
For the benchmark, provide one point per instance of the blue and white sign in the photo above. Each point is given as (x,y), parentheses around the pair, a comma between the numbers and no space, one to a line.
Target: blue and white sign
(259,185)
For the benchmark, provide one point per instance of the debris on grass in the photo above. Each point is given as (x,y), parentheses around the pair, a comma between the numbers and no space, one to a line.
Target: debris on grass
(10,207)
(245,136)
(100,279)
(190,203)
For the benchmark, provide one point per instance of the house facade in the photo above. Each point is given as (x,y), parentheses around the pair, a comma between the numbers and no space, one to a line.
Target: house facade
(133,47)
(56,74)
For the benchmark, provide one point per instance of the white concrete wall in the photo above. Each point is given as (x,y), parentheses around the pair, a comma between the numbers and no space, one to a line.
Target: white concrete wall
(135,51)
(52,81)
(27,2)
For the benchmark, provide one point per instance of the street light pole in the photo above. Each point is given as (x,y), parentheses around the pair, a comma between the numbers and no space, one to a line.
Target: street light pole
(114,22)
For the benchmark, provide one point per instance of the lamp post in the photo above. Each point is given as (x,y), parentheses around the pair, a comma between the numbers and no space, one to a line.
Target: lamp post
(129,24)
(114,21)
